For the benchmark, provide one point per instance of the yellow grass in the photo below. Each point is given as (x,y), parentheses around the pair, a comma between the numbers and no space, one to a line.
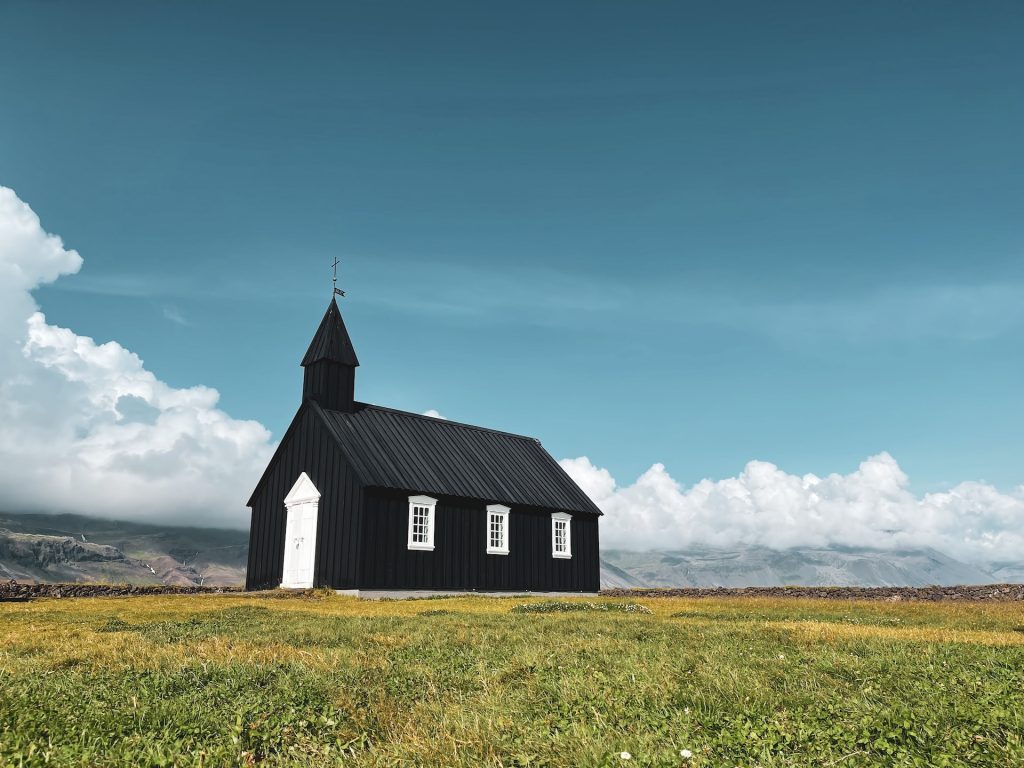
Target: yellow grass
(209,679)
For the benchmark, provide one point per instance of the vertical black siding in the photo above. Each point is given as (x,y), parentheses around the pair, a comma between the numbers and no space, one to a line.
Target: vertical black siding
(308,448)
(460,561)
(330,384)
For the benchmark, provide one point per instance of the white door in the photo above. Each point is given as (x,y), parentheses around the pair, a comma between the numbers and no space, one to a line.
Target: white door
(302,506)
(305,552)
(300,546)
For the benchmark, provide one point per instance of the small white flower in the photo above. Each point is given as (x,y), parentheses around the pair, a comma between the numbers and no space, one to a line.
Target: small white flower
(782,655)
(686,710)
(625,755)
(685,754)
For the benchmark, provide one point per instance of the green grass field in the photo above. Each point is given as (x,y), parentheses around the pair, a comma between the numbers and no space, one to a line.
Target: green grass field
(251,679)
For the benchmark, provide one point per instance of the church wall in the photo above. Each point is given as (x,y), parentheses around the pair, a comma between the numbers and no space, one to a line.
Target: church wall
(307,447)
(460,561)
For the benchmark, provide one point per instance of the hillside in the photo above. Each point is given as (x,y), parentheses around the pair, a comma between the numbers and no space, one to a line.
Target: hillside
(74,548)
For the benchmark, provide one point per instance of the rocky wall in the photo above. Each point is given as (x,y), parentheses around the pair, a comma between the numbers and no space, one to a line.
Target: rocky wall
(987,592)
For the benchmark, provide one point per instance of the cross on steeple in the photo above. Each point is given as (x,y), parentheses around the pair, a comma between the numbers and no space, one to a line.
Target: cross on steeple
(337,291)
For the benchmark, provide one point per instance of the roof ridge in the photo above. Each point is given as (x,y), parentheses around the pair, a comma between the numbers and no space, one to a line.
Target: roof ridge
(434,419)
(473,462)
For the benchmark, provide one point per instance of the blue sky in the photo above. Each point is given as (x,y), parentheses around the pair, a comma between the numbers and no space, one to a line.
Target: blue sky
(695,234)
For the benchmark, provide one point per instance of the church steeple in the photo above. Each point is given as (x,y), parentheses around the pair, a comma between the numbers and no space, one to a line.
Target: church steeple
(330,364)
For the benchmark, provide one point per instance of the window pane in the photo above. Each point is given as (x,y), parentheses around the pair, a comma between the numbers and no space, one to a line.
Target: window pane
(421,525)
(496,530)
(560,536)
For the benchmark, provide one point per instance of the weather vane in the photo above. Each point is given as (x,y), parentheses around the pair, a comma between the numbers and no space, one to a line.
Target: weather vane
(337,290)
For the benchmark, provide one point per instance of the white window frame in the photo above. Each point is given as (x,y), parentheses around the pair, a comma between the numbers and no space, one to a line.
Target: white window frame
(556,518)
(497,512)
(429,504)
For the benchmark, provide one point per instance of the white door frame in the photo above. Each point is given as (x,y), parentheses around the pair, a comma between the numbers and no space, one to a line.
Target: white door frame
(302,510)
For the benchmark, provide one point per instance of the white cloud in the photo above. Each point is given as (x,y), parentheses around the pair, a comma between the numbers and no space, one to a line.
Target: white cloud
(174,314)
(84,427)
(897,313)
(763,505)
(434,414)
(890,312)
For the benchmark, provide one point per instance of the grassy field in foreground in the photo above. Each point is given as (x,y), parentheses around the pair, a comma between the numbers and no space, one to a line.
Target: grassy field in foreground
(249,679)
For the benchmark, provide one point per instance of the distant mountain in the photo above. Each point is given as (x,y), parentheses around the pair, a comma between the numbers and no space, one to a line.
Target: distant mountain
(78,549)
(763,567)
(1008,573)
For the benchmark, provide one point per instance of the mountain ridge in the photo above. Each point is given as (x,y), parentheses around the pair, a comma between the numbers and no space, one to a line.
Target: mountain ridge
(76,548)
(805,566)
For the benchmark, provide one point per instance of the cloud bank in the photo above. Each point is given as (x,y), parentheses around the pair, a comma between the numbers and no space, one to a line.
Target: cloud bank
(763,505)
(84,427)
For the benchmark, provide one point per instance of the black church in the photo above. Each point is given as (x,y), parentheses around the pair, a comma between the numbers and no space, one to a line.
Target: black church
(359,497)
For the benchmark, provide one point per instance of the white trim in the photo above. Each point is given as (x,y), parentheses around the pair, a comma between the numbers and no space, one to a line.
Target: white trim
(561,517)
(501,512)
(303,490)
(427,503)
(302,517)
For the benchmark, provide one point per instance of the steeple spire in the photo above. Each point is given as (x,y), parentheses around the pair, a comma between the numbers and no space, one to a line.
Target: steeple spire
(331,341)
(330,364)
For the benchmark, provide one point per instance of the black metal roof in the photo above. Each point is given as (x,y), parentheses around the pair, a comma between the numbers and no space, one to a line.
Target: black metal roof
(407,451)
(331,341)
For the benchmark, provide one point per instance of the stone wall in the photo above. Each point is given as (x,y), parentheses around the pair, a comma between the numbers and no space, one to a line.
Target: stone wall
(16,591)
(987,592)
